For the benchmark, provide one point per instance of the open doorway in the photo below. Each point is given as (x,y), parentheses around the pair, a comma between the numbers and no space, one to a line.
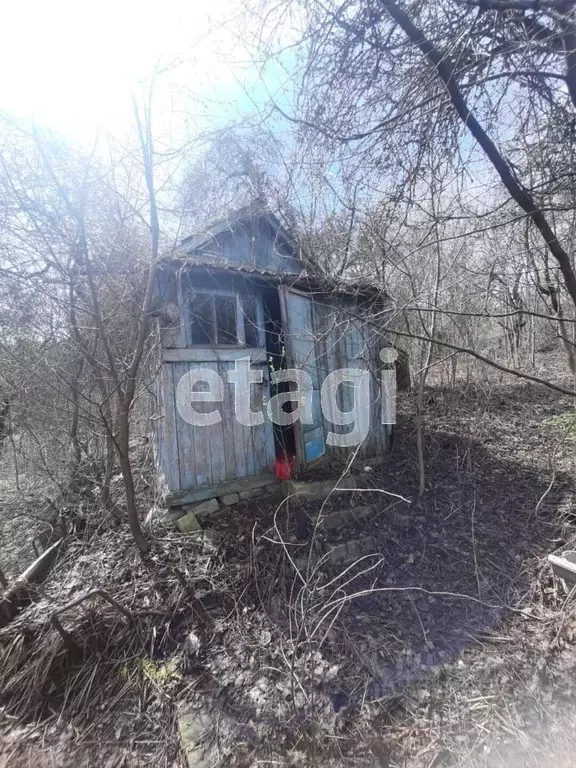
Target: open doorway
(284,435)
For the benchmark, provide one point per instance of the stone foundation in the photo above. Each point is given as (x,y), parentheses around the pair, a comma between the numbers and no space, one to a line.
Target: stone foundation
(188,517)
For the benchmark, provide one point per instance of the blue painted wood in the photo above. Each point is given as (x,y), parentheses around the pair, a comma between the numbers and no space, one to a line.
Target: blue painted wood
(259,431)
(358,361)
(195,457)
(320,337)
(254,243)
(213,437)
(315,449)
(238,435)
(211,455)
(316,412)
(346,342)
(185,334)
(303,347)
(350,343)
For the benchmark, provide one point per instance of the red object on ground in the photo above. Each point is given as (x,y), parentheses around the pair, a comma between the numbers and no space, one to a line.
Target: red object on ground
(283,467)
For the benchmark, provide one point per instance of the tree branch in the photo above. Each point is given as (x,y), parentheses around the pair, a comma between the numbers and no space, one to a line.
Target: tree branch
(518,192)
(487,360)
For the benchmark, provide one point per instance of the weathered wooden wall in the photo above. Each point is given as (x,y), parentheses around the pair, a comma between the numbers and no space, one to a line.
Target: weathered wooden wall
(327,333)
(346,341)
(199,456)
(253,243)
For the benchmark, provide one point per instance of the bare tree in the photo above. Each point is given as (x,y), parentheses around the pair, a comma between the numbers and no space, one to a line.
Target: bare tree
(84,258)
(387,88)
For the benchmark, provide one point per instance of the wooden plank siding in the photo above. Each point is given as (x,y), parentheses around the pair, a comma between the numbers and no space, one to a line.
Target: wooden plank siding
(324,333)
(303,349)
(194,456)
(345,341)
(252,243)
(168,458)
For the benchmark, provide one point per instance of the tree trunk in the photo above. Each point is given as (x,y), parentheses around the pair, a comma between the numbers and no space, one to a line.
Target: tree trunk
(517,191)
(403,376)
(123,442)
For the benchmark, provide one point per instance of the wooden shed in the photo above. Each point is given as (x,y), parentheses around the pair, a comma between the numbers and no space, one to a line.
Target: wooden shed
(240,290)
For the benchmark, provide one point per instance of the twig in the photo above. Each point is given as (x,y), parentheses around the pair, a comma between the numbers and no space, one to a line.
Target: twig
(66,636)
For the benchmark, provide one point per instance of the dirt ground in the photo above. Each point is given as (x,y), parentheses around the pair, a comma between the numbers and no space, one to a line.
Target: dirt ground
(446,644)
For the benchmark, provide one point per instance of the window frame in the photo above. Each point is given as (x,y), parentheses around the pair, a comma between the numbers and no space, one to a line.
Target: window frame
(240,319)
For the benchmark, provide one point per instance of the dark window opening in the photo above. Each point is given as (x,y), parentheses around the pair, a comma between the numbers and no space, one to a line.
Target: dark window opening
(251,329)
(284,435)
(213,320)
(202,317)
(225,311)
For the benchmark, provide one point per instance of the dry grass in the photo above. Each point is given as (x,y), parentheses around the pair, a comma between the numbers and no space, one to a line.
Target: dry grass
(451,646)
(117,679)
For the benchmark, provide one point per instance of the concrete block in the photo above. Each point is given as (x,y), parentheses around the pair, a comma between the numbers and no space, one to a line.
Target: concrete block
(345,516)
(204,508)
(320,489)
(175,513)
(350,551)
(564,567)
(196,729)
(230,498)
(189,523)
(159,517)
(251,493)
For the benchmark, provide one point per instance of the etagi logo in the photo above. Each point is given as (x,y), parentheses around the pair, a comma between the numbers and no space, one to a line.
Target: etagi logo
(204,385)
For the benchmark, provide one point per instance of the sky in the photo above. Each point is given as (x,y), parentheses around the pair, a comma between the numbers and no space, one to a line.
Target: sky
(73,66)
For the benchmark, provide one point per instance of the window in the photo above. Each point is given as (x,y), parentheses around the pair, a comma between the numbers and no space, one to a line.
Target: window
(252,331)
(202,319)
(225,311)
(213,320)
(226,320)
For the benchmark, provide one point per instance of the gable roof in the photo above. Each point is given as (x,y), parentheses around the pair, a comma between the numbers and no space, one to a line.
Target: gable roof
(252,212)
(194,257)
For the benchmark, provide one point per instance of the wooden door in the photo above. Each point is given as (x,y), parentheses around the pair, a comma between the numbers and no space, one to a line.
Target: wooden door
(302,353)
